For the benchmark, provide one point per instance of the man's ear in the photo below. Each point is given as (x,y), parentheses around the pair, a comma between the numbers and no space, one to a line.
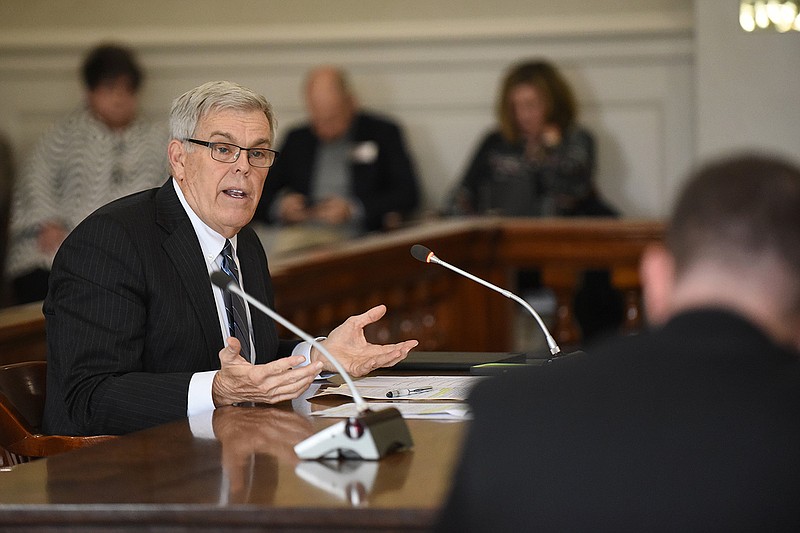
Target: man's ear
(176,154)
(657,273)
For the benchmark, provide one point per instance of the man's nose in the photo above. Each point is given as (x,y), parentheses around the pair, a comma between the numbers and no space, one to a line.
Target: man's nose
(242,164)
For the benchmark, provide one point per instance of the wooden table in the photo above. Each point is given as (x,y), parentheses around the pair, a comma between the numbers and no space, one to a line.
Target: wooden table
(247,479)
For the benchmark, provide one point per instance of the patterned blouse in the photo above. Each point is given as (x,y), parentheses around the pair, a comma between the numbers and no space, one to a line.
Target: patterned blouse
(502,180)
(78,166)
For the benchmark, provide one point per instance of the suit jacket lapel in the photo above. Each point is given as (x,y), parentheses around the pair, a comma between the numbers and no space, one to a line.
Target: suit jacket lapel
(359,172)
(306,169)
(183,249)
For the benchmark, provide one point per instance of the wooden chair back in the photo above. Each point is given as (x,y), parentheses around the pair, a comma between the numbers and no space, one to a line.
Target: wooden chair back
(22,395)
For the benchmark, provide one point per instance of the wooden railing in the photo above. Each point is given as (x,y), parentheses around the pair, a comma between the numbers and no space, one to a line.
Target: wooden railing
(22,334)
(317,289)
(564,248)
(444,311)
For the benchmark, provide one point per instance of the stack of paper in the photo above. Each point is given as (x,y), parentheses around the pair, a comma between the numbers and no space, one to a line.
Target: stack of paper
(431,411)
(428,397)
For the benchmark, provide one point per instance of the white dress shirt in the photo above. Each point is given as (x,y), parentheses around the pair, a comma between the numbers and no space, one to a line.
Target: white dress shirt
(211,243)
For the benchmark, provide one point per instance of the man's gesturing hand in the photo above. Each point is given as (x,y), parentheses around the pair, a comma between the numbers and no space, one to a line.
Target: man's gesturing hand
(348,344)
(240,381)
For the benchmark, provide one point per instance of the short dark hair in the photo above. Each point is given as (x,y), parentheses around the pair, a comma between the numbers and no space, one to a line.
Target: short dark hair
(110,62)
(736,209)
(562,108)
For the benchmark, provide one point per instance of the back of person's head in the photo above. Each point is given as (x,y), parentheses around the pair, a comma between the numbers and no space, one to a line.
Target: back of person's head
(550,83)
(189,108)
(741,214)
(109,62)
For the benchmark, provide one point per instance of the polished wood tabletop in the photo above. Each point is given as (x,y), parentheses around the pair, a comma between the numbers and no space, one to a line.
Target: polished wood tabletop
(242,476)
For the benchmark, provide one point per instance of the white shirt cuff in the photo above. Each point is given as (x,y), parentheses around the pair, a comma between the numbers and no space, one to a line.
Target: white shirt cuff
(304,349)
(200,399)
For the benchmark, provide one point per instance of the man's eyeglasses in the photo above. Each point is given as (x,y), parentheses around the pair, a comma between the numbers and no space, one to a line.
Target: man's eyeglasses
(229,153)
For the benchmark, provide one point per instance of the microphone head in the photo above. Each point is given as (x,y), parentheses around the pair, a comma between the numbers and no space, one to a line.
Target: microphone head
(220,279)
(421,253)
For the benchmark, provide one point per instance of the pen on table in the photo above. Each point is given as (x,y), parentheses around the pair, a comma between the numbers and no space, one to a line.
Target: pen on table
(405,392)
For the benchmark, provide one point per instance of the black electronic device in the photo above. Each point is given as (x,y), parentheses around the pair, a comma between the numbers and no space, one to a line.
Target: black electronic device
(457,360)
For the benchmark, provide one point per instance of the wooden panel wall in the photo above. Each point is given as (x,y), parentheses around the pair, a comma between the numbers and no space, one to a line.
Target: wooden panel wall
(320,288)
(633,73)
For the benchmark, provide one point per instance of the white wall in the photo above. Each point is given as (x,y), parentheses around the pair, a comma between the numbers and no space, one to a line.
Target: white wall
(33,16)
(748,85)
(659,82)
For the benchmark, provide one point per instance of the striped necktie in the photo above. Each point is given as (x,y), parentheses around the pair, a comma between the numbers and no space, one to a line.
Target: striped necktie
(234,304)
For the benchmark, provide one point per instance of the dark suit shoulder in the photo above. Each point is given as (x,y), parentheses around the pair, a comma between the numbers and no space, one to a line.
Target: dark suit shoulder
(301,134)
(133,215)
(367,121)
(134,206)
(365,124)
(690,352)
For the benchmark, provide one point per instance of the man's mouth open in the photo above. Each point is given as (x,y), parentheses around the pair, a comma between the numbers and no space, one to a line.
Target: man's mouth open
(235,193)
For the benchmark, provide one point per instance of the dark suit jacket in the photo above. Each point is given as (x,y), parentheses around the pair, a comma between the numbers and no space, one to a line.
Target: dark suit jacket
(130,316)
(695,427)
(389,183)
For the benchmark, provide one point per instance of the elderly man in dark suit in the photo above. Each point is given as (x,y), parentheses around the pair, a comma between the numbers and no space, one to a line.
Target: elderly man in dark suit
(136,333)
(345,168)
(694,426)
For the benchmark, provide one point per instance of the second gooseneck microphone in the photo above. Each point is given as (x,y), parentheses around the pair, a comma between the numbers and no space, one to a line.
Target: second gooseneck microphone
(421,253)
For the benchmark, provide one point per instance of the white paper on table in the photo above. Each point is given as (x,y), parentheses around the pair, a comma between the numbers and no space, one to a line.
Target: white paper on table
(430,411)
(451,388)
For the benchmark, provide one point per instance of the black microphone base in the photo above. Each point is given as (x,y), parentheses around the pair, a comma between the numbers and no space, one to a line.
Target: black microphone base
(370,436)
(497,369)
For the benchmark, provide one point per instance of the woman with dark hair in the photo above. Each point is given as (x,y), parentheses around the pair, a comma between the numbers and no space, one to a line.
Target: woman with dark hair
(101,151)
(538,161)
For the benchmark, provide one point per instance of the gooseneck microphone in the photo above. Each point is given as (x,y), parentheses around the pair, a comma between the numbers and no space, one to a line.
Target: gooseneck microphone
(369,435)
(224,282)
(421,253)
